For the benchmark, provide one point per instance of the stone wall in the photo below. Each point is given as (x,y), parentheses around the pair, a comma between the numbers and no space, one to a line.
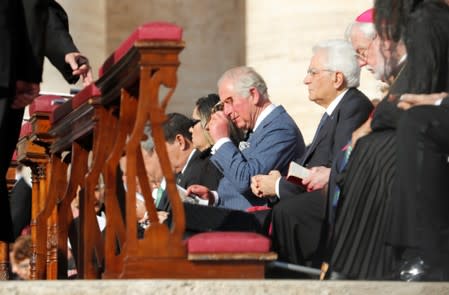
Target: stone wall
(279,45)
(275,37)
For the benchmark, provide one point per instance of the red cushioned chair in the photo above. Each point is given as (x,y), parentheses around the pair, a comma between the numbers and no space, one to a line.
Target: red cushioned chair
(229,246)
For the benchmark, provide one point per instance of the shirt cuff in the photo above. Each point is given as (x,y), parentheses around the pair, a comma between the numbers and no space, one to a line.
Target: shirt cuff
(203,202)
(438,102)
(277,187)
(216,198)
(219,143)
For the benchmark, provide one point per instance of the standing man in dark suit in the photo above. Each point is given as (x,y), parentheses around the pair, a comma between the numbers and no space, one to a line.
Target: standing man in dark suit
(274,139)
(60,49)
(298,218)
(23,31)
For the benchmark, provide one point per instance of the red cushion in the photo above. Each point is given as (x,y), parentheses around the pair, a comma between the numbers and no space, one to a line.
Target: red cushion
(43,104)
(228,242)
(87,92)
(81,97)
(25,130)
(61,111)
(156,31)
(257,208)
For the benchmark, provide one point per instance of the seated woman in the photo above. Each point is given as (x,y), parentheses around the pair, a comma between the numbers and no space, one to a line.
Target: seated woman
(201,138)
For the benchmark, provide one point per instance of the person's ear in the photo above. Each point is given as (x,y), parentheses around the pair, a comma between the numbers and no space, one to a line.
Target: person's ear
(338,80)
(181,142)
(254,96)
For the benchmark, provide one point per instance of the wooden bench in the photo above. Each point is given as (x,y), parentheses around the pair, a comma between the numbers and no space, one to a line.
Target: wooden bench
(107,119)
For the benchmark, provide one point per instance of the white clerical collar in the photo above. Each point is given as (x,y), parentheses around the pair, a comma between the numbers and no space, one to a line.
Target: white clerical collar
(263,115)
(330,109)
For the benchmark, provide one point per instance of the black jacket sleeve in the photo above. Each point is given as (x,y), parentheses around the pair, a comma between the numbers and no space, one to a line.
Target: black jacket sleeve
(58,41)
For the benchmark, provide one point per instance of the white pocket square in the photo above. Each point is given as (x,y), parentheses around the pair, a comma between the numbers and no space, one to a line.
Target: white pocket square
(243,145)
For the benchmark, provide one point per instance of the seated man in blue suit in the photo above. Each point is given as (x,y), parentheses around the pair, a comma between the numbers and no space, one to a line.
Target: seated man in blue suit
(274,139)
(332,78)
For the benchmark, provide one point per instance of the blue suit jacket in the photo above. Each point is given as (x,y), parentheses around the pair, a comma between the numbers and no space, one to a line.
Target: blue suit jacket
(275,142)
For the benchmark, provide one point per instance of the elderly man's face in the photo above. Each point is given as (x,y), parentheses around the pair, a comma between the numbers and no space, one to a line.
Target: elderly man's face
(361,45)
(319,80)
(236,107)
(376,59)
(152,167)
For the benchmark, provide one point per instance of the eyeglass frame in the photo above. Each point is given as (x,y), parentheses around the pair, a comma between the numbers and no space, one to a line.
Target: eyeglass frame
(313,72)
(218,107)
(361,53)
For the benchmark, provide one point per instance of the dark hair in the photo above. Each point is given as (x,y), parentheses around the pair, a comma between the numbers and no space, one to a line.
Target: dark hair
(175,124)
(22,248)
(204,107)
(423,27)
(391,17)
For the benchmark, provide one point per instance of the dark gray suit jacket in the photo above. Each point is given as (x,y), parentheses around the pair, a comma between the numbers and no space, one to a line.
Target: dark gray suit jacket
(30,29)
(350,113)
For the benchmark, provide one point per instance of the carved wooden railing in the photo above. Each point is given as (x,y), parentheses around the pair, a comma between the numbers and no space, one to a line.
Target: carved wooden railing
(101,124)
(107,120)
(4,247)
(33,151)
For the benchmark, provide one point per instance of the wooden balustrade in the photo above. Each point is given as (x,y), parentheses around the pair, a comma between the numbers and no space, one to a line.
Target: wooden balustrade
(107,120)
(4,247)
(33,151)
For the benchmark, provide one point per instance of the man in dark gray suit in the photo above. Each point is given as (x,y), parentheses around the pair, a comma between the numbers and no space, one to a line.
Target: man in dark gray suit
(332,78)
(274,139)
(26,30)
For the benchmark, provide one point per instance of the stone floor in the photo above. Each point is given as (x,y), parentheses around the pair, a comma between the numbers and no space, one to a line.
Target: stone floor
(228,287)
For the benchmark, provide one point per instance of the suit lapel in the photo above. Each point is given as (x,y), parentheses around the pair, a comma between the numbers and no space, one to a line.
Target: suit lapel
(181,179)
(265,122)
(328,127)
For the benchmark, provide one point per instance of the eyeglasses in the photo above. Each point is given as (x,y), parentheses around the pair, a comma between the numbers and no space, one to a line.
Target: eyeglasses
(313,72)
(219,106)
(362,52)
(24,264)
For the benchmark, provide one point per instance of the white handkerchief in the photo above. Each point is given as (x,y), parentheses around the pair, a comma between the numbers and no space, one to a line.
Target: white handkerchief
(243,145)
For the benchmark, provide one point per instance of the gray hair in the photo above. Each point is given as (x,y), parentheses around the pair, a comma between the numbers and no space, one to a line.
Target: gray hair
(244,78)
(367,29)
(148,143)
(341,57)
